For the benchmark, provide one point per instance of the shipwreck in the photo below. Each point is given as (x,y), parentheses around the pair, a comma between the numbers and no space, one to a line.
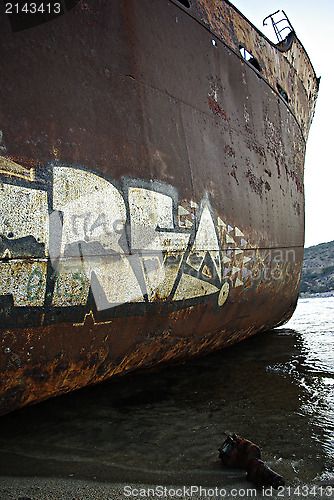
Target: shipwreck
(152,200)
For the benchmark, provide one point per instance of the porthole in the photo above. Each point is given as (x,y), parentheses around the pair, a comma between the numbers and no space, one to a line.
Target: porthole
(283,93)
(249,58)
(185,3)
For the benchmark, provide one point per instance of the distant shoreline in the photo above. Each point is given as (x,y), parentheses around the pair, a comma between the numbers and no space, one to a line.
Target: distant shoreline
(318,271)
(308,295)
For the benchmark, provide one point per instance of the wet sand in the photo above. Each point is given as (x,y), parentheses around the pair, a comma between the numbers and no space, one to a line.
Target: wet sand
(55,489)
(69,489)
(73,489)
(165,428)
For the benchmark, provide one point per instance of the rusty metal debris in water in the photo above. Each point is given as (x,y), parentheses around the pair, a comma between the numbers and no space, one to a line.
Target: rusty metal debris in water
(241,453)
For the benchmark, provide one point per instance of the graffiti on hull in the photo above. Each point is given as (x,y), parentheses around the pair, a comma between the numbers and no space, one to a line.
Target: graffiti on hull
(70,237)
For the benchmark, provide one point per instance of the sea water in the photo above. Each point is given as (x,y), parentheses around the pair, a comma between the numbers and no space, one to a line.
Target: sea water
(313,323)
(276,389)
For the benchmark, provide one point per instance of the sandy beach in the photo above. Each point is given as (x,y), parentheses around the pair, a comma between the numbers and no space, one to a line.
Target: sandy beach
(72,489)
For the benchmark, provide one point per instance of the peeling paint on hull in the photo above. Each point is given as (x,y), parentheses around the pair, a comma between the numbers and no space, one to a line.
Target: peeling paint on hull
(152,204)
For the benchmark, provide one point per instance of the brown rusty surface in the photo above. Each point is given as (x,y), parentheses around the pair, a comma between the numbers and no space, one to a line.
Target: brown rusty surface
(41,362)
(152,204)
(291,69)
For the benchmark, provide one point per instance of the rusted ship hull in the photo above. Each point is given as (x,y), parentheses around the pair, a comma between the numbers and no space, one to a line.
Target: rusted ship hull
(152,204)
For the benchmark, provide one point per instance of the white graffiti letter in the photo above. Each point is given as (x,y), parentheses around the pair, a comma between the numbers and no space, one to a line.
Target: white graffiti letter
(92,249)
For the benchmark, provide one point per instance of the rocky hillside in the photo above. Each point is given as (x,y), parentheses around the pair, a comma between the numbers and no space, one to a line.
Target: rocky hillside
(318,269)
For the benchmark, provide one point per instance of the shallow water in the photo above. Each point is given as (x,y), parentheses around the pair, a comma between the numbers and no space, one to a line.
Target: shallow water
(275,389)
